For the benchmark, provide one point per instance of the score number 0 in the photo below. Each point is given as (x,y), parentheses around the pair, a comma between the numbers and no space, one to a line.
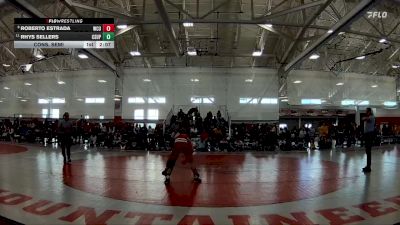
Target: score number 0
(108,27)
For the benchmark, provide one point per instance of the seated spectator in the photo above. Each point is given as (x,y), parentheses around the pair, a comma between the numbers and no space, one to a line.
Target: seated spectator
(323,130)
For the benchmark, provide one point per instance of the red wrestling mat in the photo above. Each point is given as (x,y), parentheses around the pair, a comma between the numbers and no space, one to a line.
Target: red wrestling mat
(228,180)
(11,149)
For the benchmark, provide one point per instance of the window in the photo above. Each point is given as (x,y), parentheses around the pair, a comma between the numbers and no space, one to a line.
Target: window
(208,100)
(55,113)
(154,100)
(95,100)
(269,101)
(390,103)
(152,114)
(101,117)
(348,102)
(136,100)
(363,103)
(204,100)
(152,125)
(87,117)
(195,100)
(45,113)
(244,100)
(58,100)
(138,114)
(52,100)
(150,100)
(311,101)
(43,101)
(253,101)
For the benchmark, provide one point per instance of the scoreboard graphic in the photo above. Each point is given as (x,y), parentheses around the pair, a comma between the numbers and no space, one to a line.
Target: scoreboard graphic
(64,33)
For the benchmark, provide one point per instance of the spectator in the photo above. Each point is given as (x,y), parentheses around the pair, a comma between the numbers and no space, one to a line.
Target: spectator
(181,115)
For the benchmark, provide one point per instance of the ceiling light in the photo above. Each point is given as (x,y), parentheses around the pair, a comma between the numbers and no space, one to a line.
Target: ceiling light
(323,101)
(82,56)
(339,84)
(361,57)
(398,91)
(19,97)
(135,53)
(268,25)
(102,81)
(117,99)
(383,40)
(39,56)
(341,33)
(298,82)
(146,80)
(79,99)
(395,66)
(122,26)
(6,88)
(285,100)
(330,31)
(27,84)
(248,80)
(6,65)
(374,86)
(188,24)
(257,53)
(314,56)
(60,82)
(24,100)
(1,100)
(195,80)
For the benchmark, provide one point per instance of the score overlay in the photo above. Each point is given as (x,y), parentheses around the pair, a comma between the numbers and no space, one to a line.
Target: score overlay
(64,33)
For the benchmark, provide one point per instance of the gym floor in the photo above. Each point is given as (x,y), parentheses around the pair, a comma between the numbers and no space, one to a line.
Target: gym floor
(114,187)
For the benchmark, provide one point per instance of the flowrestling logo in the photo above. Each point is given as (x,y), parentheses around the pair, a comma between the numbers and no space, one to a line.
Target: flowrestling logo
(377,15)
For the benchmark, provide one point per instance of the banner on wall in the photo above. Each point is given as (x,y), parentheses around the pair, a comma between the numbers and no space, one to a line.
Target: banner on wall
(315,112)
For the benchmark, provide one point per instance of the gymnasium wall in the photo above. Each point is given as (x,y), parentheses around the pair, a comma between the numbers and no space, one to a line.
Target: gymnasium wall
(78,85)
(225,85)
(318,84)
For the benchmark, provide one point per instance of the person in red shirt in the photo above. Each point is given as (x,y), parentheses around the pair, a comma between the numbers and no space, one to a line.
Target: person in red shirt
(182,145)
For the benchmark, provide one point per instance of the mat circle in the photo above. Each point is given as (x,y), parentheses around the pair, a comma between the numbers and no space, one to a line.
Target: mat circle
(228,180)
(6,149)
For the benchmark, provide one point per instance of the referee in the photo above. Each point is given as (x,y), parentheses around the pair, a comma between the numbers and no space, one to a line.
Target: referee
(369,137)
(65,135)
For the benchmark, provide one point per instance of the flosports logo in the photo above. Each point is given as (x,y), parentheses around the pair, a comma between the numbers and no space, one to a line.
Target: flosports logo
(377,14)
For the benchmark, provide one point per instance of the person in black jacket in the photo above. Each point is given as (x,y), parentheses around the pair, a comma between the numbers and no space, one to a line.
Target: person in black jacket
(65,135)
